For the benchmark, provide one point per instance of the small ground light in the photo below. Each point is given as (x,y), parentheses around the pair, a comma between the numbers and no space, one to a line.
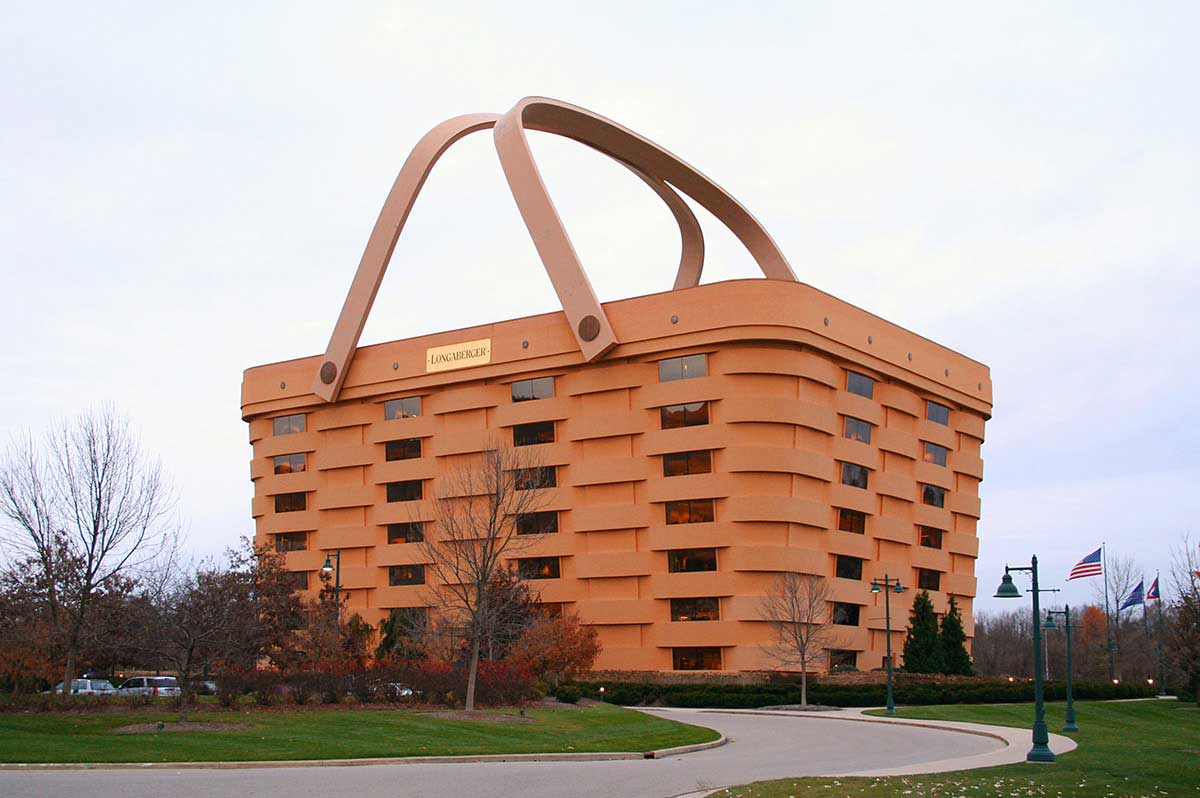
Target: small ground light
(1011,679)
(601,693)
(1116,681)
(1149,681)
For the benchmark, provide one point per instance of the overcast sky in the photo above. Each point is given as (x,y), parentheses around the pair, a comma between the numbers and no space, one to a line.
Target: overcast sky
(186,193)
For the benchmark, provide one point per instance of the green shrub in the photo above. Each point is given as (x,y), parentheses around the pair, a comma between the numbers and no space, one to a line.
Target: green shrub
(568,693)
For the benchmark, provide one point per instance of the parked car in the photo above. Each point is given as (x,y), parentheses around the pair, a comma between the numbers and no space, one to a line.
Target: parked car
(150,685)
(206,687)
(87,687)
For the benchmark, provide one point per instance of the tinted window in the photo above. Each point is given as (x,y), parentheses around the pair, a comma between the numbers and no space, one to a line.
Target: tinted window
(534,478)
(929,580)
(408,407)
(854,475)
(290,463)
(842,660)
(696,659)
(406,575)
(860,384)
(291,541)
(287,425)
(407,449)
(858,430)
(935,454)
(683,463)
(290,502)
(540,523)
(538,568)
(695,609)
(688,560)
(532,434)
(938,414)
(407,491)
(539,388)
(296,580)
(930,538)
(849,567)
(852,521)
(689,415)
(412,532)
(690,511)
(845,614)
(933,495)
(682,368)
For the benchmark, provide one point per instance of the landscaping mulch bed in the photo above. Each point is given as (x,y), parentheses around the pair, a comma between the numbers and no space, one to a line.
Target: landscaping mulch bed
(153,728)
(476,715)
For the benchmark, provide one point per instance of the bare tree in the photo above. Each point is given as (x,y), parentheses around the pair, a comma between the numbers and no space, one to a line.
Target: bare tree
(476,514)
(1120,574)
(798,609)
(1183,630)
(86,506)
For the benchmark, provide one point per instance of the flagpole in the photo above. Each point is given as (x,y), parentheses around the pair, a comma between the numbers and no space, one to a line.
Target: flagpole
(1112,668)
(1162,667)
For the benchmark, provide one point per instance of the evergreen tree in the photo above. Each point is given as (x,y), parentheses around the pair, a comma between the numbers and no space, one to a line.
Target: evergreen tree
(922,652)
(953,642)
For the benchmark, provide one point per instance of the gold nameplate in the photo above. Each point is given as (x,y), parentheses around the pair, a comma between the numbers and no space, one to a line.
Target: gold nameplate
(458,356)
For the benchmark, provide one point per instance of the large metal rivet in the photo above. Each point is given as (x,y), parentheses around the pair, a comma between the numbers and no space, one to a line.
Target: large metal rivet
(870,340)
(282,385)
(589,328)
(395,366)
(524,344)
(910,355)
(328,372)
(674,319)
(826,321)
(981,386)
(947,372)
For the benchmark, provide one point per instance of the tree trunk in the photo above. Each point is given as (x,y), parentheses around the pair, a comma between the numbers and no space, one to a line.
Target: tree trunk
(185,687)
(471,674)
(68,673)
(803,682)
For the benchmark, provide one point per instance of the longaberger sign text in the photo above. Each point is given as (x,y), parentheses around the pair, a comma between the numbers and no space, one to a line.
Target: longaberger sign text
(458,356)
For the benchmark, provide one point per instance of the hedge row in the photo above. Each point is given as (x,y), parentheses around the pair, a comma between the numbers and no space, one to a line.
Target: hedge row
(734,696)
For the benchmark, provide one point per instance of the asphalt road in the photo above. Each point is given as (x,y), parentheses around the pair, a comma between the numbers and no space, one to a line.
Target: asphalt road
(761,747)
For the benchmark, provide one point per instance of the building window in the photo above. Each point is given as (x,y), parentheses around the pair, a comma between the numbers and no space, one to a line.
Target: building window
(682,368)
(288,425)
(854,475)
(544,522)
(690,511)
(852,521)
(846,614)
(860,384)
(933,495)
(537,388)
(291,502)
(533,434)
(296,580)
(407,449)
(928,579)
(930,538)
(411,532)
(538,568)
(399,575)
(696,609)
(842,660)
(408,407)
(682,561)
(694,414)
(848,567)
(291,541)
(409,622)
(696,659)
(680,464)
(407,491)
(858,430)
(535,478)
(938,414)
(290,463)
(935,454)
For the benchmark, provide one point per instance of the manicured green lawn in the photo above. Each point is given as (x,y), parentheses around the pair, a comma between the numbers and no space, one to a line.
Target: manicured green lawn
(1126,748)
(333,734)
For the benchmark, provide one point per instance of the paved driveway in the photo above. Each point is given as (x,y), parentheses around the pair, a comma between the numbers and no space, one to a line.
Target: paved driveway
(761,747)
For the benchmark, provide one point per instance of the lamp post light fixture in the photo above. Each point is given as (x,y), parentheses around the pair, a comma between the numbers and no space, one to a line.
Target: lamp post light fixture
(336,568)
(887,586)
(1070,725)
(1040,752)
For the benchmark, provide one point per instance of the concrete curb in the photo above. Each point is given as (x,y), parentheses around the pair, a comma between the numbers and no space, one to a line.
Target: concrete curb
(398,760)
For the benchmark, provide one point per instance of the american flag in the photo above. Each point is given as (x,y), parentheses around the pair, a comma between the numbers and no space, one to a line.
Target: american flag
(1088,566)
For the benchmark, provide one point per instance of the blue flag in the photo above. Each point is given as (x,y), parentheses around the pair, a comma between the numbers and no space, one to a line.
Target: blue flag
(1136,596)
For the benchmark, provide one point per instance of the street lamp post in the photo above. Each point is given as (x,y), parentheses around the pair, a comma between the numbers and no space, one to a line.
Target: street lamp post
(1040,752)
(1070,725)
(888,585)
(336,568)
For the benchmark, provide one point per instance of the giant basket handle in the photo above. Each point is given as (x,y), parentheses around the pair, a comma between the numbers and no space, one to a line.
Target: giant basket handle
(654,165)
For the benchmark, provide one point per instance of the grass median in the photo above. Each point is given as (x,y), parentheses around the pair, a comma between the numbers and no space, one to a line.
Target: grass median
(334,734)
(1126,748)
